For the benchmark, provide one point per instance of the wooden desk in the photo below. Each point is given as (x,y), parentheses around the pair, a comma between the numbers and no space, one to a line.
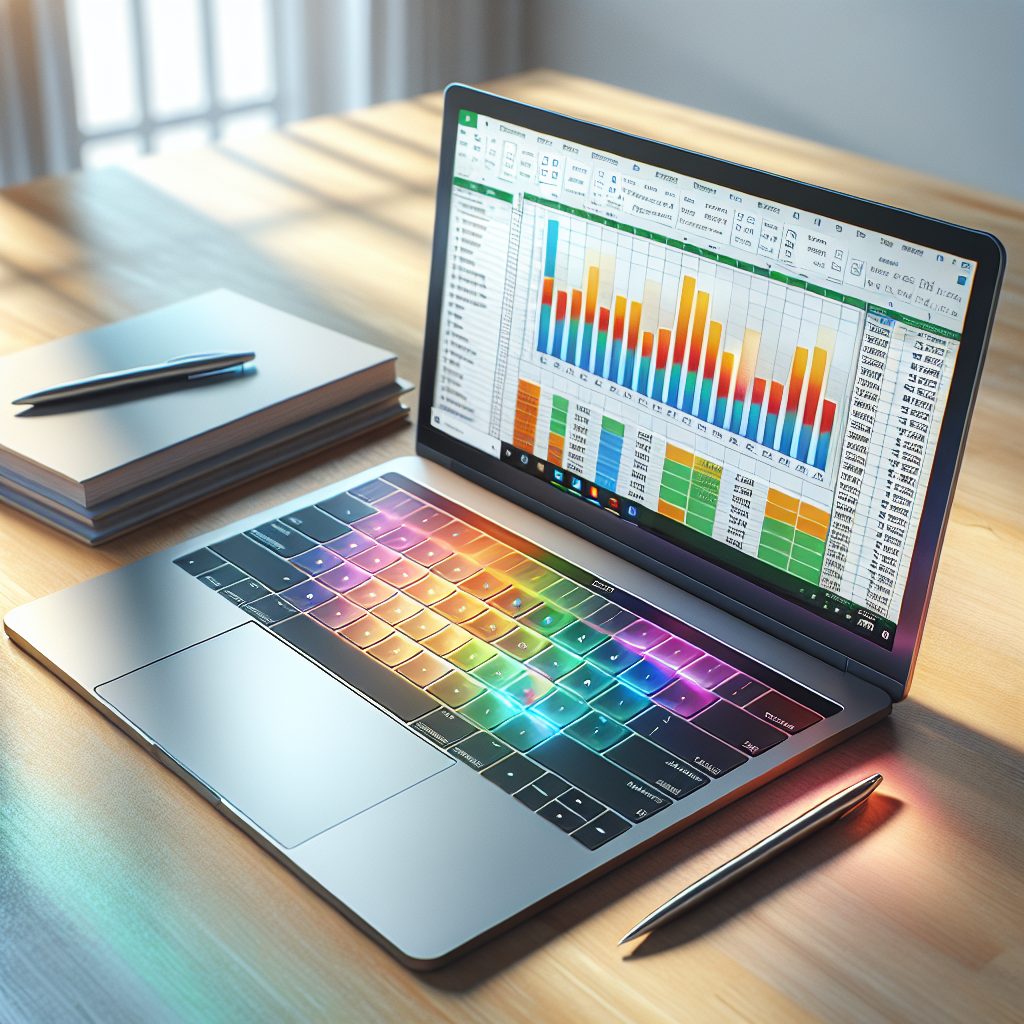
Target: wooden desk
(123,896)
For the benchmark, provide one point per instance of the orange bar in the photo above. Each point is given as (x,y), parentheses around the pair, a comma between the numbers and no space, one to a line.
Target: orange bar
(672,511)
(524,430)
(680,455)
(592,279)
(555,448)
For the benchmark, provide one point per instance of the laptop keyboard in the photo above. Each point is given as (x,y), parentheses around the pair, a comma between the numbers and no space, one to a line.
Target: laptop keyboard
(596,712)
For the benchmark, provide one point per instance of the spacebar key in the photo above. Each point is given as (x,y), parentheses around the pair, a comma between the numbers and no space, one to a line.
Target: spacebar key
(633,799)
(359,670)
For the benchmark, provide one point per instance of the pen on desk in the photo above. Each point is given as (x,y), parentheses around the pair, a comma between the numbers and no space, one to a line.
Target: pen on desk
(817,817)
(177,368)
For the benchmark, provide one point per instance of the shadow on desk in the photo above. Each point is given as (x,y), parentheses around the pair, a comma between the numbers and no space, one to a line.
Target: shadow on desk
(915,741)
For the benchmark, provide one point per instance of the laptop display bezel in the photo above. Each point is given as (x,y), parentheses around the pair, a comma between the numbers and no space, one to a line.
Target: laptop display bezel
(707,579)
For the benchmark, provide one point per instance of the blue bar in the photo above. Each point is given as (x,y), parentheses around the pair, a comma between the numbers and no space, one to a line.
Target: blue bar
(549,259)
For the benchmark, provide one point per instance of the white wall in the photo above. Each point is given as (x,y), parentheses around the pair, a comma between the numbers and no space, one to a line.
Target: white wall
(935,85)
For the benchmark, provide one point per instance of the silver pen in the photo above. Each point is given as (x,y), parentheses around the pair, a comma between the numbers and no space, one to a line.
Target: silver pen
(198,365)
(817,817)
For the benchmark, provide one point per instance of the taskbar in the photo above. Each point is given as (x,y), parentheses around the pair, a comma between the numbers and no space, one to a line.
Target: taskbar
(851,616)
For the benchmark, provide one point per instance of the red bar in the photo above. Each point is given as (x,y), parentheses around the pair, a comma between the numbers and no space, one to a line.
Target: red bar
(758,395)
(775,398)
(664,338)
(634,326)
(725,375)
(560,306)
(796,381)
(828,415)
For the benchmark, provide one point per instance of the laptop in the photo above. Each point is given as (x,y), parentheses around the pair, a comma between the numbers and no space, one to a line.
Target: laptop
(687,443)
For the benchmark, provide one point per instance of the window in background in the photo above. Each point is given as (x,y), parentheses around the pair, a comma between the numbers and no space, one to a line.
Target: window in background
(167,75)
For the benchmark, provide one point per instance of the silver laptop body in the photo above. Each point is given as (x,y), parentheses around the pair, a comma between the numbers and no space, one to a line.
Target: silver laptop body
(359,775)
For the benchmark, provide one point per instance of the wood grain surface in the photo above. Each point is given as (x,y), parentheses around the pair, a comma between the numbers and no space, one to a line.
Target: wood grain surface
(125,897)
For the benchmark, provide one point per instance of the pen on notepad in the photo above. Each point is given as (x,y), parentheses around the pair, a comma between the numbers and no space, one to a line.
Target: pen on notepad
(177,368)
(817,817)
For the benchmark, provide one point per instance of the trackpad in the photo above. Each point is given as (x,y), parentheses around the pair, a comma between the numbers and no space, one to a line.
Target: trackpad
(273,734)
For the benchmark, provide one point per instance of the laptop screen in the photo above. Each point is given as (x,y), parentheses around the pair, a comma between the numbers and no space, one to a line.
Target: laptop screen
(753,382)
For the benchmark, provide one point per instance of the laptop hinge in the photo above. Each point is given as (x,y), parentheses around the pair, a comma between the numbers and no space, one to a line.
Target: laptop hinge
(893,687)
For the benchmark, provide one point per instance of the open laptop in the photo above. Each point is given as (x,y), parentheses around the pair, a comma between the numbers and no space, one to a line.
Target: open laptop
(687,445)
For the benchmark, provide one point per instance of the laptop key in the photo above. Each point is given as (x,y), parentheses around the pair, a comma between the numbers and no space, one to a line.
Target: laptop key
(583,805)
(599,778)
(430,589)
(646,676)
(684,698)
(363,632)
(515,601)
(741,689)
(221,577)
(402,698)
(375,559)
(317,560)
(308,595)
(547,787)
(455,689)
(244,592)
(675,653)
(708,755)
(491,625)
(601,831)
(524,731)
(444,727)
(271,570)
(372,490)
(394,650)
(451,638)
(526,689)
(346,507)
(751,735)
(456,568)
(402,573)
(657,766)
(480,751)
(427,519)
(338,613)
(561,707)
(579,638)
(199,561)
(554,663)
(609,619)
(586,681)
(642,635)
(597,731)
(522,643)
(547,619)
(350,544)
(485,585)
(620,702)
(613,657)
(489,710)
(344,578)
(424,669)
(782,712)
(708,671)
(557,814)
(269,609)
(471,655)
(513,773)
(316,524)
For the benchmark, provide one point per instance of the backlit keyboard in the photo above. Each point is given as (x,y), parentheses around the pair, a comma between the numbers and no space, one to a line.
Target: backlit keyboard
(594,711)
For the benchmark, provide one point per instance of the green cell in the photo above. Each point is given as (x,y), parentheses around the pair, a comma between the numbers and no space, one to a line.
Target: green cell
(806,557)
(776,543)
(781,530)
(699,524)
(612,426)
(560,403)
(805,572)
(805,540)
(676,473)
(770,555)
(701,508)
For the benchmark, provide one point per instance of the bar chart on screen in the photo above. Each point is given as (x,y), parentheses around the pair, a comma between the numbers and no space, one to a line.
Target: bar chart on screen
(698,340)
